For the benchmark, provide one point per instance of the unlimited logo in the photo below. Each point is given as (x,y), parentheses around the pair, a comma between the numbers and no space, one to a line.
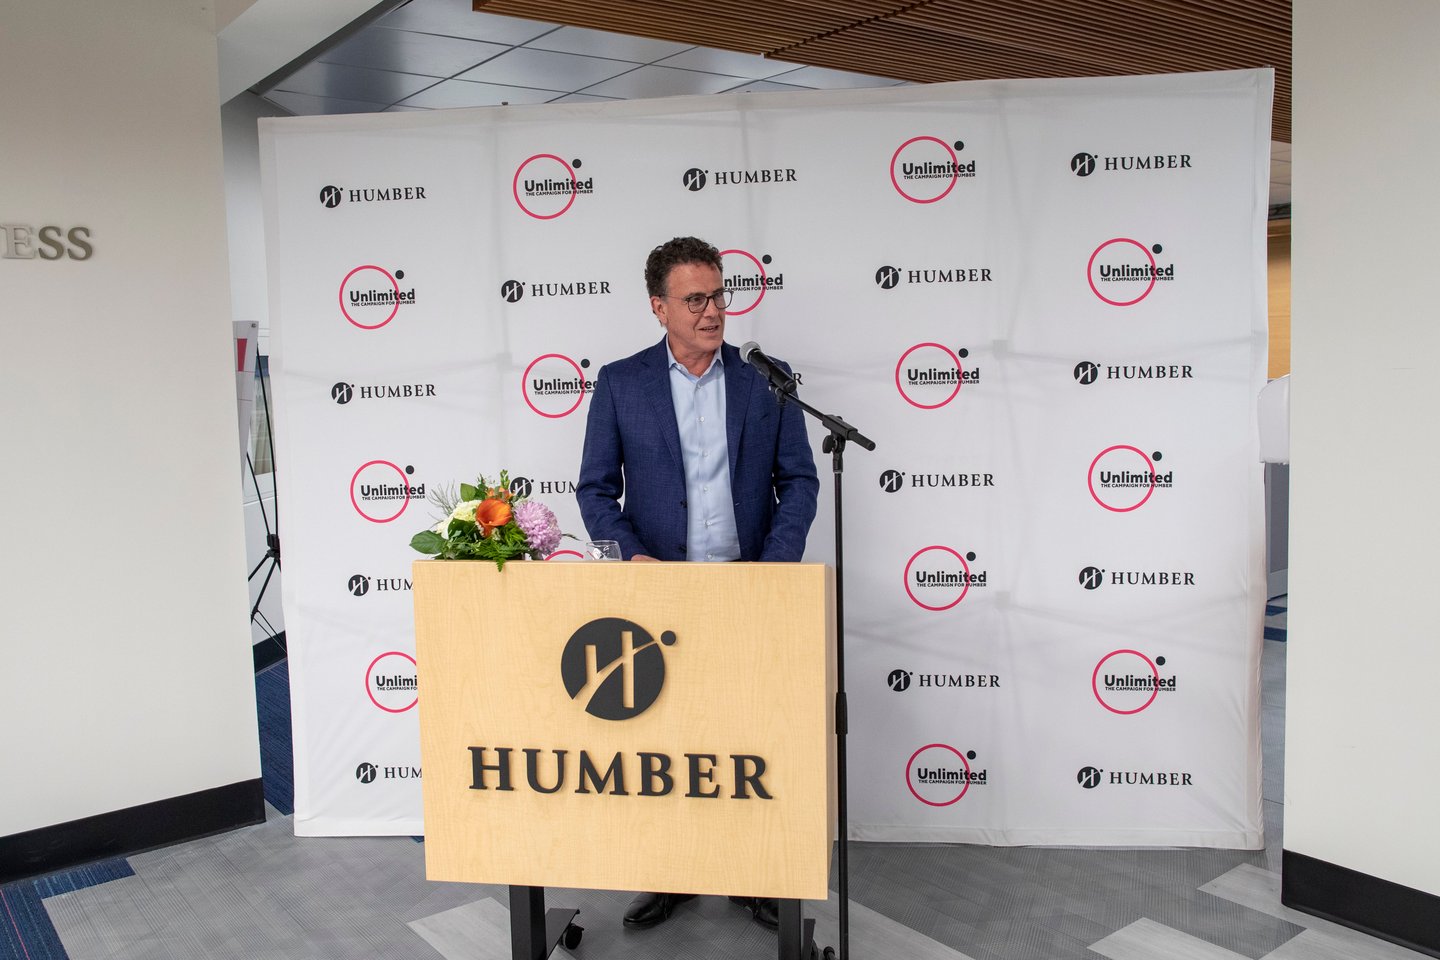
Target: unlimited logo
(391,682)
(925,169)
(1122,478)
(1121,267)
(939,775)
(747,275)
(370,296)
(1127,681)
(938,577)
(929,375)
(545,186)
(381,491)
(554,386)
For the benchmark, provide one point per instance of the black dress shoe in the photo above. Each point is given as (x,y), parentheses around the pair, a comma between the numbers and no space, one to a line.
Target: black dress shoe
(651,909)
(764,910)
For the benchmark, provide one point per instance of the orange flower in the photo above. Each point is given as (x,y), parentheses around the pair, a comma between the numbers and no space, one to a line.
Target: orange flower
(491,514)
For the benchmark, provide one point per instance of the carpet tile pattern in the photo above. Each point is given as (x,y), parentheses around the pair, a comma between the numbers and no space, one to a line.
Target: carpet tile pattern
(262,893)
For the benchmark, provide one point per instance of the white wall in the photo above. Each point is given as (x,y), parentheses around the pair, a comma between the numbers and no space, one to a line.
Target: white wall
(126,643)
(1362,769)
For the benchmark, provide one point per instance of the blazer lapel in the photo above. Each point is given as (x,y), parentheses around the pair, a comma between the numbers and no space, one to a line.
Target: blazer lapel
(657,389)
(739,385)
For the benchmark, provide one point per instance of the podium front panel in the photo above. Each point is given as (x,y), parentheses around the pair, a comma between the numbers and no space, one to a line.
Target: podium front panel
(630,726)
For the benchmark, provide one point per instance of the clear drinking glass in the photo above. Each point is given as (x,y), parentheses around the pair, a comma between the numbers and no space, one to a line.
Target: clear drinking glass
(602,550)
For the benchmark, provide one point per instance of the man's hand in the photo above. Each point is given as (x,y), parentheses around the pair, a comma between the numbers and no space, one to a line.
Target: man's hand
(641,556)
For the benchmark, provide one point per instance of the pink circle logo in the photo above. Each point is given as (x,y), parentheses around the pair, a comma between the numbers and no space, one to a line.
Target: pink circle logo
(370,296)
(566,556)
(925,169)
(1122,478)
(745,274)
(1114,268)
(391,682)
(940,580)
(938,774)
(1130,682)
(929,375)
(554,386)
(380,491)
(545,186)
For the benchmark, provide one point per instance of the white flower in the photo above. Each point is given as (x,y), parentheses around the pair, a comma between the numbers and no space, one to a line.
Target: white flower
(464,511)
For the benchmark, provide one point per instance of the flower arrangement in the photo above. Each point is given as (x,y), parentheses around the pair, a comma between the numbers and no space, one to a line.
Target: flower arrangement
(482,521)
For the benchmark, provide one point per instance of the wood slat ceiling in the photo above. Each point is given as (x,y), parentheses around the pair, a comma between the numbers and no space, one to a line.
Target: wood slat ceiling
(935,40)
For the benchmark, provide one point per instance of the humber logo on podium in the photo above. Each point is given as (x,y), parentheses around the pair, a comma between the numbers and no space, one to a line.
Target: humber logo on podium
(614,667)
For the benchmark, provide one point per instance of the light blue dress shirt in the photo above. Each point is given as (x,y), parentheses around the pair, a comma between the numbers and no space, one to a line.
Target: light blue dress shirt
(700,415)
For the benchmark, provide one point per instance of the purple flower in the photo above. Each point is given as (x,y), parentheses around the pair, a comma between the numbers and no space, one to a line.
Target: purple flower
(538,524)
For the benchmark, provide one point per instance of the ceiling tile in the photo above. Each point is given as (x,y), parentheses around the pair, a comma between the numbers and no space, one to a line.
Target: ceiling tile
(728,62)
(304,105)
(767,86)
(353,83)
(408,52)
(455,18)
(582,98)
(562,72)
(600,43)
(653,81)
(463,93)
(823,78)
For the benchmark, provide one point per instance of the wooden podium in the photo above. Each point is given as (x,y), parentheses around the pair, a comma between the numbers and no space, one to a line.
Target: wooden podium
(627,726)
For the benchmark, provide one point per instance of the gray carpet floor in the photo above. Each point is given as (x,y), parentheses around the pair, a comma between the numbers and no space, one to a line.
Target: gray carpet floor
(262,893)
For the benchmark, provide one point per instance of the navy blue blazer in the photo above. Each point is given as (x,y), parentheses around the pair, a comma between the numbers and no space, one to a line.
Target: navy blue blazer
(632,451)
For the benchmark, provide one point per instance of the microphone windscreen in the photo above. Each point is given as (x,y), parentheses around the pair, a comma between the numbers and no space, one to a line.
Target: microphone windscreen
(747,348)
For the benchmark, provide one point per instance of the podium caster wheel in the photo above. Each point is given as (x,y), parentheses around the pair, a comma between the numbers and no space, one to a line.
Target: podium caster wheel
(570,939)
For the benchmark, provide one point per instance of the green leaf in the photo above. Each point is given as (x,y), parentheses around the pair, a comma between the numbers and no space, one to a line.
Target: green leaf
(468,492)
(428,542)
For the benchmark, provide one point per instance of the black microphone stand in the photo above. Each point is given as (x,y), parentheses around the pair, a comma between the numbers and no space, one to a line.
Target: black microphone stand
(840,434)
(272,536)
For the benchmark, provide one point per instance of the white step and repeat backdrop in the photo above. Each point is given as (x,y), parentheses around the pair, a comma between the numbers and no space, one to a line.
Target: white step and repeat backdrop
(1045,300)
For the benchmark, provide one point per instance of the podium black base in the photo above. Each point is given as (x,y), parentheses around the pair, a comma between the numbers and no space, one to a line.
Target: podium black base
(534,931)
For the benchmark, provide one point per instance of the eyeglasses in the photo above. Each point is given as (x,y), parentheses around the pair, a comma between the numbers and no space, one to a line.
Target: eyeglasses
(696,301)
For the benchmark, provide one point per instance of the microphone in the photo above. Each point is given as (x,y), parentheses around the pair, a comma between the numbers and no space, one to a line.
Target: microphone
(751,353)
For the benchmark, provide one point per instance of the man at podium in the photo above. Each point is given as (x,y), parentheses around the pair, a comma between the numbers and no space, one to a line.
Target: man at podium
(688,457)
